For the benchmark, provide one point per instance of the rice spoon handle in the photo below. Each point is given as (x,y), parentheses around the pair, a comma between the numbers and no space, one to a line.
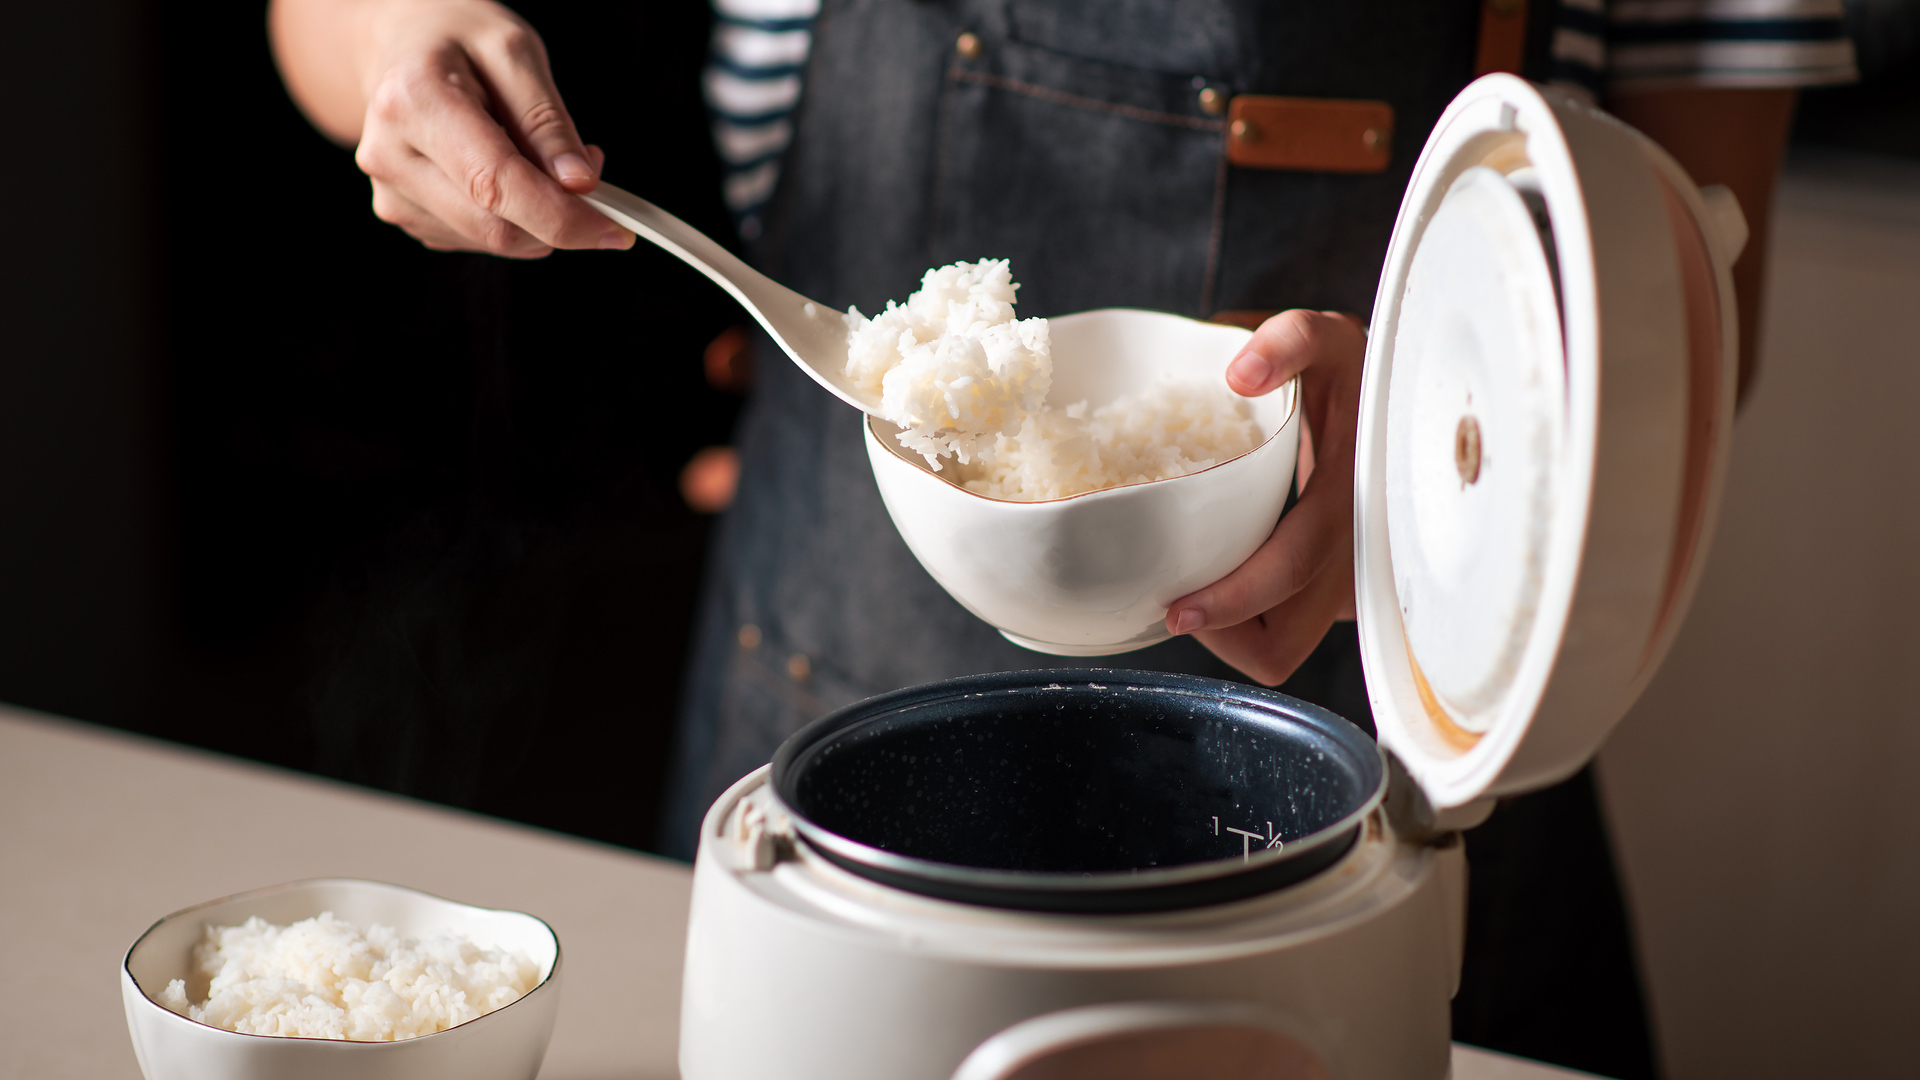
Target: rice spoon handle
(813,334)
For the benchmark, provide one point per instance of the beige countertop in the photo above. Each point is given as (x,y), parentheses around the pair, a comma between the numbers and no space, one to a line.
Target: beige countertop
(102,833)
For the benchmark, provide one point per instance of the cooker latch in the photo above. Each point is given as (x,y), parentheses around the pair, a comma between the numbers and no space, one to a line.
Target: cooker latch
(759,831)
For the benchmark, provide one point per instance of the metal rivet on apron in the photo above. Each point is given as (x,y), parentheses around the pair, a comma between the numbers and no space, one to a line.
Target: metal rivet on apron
(1213,102)
(799,668)
(1371,137)
(1245,132)
(749,636)
(969,45)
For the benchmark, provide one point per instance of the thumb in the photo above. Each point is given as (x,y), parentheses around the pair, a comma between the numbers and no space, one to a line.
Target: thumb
(1291,342)
(529,108)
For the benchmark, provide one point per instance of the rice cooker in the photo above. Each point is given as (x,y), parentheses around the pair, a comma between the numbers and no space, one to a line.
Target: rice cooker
(1142,876)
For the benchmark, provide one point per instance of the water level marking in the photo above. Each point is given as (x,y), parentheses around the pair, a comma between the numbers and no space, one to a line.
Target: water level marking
(1246,841)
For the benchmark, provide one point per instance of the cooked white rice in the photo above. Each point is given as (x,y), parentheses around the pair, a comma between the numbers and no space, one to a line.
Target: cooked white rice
(1170,430)
(322,978)
(952,367)
(964,379)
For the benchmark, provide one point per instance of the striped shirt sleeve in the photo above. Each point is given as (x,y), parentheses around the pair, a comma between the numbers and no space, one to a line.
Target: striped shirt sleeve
(1577,50)
(752,86)
(1623,45)
(1755,43)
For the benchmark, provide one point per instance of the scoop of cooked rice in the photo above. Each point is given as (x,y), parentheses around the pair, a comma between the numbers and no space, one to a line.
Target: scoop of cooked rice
(964,379)
(952,367)
(322,978)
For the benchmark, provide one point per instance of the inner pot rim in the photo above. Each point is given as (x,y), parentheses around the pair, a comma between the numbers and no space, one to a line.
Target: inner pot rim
(1160,888)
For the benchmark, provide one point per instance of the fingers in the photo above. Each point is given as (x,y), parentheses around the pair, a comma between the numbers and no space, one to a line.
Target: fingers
(513,63)
(449,124)
(1271,646)
(1290,343)
(1271,612)
(1327,352)
(396,209)
(432,140)
(440,216)
(1314,536)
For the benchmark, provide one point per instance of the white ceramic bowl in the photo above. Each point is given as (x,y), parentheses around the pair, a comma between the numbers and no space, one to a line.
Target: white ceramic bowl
(506,1044)
(1092,574)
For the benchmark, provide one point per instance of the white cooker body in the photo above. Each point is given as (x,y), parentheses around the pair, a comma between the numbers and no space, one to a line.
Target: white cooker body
(1543,434)
(797,970)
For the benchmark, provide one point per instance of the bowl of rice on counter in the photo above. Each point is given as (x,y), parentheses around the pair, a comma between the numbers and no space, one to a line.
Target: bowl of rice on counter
(336,978)
(1105,471)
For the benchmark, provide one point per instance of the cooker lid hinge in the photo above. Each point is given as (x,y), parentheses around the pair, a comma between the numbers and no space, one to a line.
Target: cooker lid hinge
(1415,818)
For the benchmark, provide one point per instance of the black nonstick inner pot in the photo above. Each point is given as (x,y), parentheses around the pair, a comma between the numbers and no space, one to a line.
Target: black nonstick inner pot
(1081,790)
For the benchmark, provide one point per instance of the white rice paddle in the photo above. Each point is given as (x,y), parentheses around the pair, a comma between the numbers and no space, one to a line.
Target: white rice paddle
(812,333)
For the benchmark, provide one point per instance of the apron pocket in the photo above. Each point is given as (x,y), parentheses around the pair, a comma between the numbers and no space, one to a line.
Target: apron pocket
(1104,184)
(1182,37)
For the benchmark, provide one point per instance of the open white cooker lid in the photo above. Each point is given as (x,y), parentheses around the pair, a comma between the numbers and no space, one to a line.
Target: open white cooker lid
(1544,427)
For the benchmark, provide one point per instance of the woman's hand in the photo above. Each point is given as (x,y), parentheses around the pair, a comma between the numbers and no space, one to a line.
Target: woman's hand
(456,118)
(1266,616)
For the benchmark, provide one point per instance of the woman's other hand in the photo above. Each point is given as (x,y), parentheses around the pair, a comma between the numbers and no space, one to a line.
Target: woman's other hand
(1265,617)
(456,119)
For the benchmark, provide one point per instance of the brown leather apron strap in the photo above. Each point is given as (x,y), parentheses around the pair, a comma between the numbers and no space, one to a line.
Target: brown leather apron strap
(1309,134)
(1503,36)
(1337,135)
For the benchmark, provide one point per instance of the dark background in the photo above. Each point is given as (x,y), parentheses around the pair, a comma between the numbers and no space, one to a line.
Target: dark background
(275,480)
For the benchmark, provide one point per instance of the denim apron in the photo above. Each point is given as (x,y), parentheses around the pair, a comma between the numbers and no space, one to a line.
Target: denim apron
(1073,137)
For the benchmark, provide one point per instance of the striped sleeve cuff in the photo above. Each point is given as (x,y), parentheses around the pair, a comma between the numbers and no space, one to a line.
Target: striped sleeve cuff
(1731,43)
(1577,52)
